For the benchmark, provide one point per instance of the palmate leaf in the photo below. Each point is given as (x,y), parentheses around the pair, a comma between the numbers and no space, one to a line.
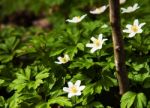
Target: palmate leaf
(98,87)
(138,77)
(2,101)
(80,76)
(28,78)
(148,104)
(127,99)
(63,101)
(72,50)
(141,100)
(56,52)
(14,101)
(107,82)
(89,89)
(82,63)
(137,100)
(146,82)
(96,105)
(43,105)
(80,46)
(6,58)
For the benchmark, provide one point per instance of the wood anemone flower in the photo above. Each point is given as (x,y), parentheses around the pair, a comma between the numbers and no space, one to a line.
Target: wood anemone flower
(74,89)
(76,19)
(134,29)
(97,43)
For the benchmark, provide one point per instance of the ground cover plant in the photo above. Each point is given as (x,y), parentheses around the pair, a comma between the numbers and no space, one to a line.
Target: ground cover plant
(60,54)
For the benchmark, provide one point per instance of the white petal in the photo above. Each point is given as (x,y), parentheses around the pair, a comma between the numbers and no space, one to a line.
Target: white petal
(59,58)
(81,88)
(67,57)
(65,89)
(123,9)
(104,40)
(126,31)
(132,35)
(89,45)
(135,6)
(140,31)
(99,10)
(93,50)
(78,82)
(100,37)
(128,26)
(122,1)
(142,24)
(93,39)
(83,16)
(70,95)
(104,26)
(78,93)
(58,62)
(136,22)
(72,21)
(68,20)
(70,84)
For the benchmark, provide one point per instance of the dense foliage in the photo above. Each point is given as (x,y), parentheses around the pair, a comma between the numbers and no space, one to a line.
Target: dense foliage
(29,76)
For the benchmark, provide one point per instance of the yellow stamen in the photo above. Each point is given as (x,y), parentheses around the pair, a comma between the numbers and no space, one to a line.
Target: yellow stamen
(64,60)
(78,17)
(74,89)
(134,28)
(97,43)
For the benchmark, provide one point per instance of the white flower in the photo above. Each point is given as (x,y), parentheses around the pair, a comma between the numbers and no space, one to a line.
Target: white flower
(76,19)
(99,10)
(133,29)
(63,60)
(97,43)
(130,8)
(122,1)
(74,89)
(104,26)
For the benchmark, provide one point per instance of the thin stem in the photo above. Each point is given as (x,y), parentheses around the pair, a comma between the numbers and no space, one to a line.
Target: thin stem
(119,54)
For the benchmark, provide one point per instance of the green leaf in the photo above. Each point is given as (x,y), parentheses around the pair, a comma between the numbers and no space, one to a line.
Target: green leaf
(96,105)
(14,101)
(71,51)
(148,105)
(141,100)
(128,99)
(2,101)
(80,46)
(89,89)
(80,76)
(107,82)
(63,101)
(146,83)
(43,74)
(57,52)
(1,81)
(98,87)
(82,63)
(43,105)
(6,58)
(28,72)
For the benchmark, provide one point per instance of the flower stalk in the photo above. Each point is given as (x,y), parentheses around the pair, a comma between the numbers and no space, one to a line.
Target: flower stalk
(119,54)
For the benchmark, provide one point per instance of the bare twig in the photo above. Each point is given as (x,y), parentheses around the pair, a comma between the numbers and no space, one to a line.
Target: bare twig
(118,45)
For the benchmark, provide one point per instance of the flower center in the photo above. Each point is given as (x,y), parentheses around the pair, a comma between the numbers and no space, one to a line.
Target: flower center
(74,89)
(64,60)
(97,43)
(77,18)
(134,28)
